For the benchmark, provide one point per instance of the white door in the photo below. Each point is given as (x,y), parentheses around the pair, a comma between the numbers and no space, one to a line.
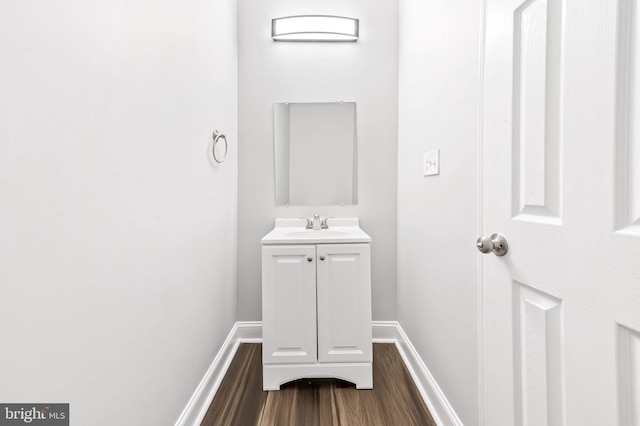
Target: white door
(561,180)
(289,304)
(344,303)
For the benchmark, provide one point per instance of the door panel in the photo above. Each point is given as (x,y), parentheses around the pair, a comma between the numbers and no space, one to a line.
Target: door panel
(629,375)
(289,304)
(538,353)
(628,118)
(344,303)
(560,172)
(536,101)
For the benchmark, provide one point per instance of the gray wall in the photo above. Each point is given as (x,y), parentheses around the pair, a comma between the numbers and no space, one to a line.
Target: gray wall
(365,72)
(437,258)
(117,235)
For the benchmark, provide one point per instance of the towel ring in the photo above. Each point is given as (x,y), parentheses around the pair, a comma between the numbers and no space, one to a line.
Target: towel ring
(217,136)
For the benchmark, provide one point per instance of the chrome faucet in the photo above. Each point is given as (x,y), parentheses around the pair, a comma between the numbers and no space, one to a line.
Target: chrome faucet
(316,223)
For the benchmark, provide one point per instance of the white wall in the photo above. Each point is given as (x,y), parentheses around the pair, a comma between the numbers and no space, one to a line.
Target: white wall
(117,236)
(437,282)
(365,72)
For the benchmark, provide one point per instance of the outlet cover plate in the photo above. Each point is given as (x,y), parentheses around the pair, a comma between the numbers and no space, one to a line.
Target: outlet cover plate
(431,163)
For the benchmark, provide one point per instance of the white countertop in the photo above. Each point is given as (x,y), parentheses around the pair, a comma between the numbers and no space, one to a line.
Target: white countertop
(292,231)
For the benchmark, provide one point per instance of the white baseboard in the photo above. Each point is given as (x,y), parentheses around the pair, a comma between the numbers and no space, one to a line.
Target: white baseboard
(199,403)
(439,407)
(249,331)
(385,331)
(382,331)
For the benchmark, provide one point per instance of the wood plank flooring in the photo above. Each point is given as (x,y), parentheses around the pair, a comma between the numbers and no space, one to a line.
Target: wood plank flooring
(394,399)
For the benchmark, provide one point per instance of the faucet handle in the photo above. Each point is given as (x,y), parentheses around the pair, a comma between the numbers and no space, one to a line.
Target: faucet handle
(309,224)
(323,223)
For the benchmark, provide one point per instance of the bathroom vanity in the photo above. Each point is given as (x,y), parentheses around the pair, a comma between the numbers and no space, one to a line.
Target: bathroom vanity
(316,303)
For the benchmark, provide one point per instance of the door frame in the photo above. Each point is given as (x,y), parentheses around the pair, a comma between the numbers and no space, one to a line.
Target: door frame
(480,222)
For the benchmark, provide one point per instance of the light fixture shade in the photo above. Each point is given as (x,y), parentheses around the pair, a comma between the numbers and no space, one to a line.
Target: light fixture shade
(314,28)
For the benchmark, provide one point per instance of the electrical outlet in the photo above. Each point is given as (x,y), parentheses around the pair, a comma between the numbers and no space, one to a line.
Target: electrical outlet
(431,163)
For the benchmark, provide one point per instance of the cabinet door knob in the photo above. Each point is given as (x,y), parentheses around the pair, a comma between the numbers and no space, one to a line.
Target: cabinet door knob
(309,259)
(321,257)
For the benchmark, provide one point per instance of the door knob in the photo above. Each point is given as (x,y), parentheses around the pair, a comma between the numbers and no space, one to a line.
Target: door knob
(496,243)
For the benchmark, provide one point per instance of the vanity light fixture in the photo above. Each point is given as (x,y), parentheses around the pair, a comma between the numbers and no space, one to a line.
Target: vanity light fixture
(314,28)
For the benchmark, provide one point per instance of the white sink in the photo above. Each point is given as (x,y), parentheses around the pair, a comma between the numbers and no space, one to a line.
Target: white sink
(292,231)
(324,233)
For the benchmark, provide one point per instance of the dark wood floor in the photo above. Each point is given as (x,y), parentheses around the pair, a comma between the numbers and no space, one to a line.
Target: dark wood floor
(394,399)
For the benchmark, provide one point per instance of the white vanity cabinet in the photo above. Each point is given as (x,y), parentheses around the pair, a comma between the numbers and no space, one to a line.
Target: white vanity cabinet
(343,288)
(316,312)
(289,332)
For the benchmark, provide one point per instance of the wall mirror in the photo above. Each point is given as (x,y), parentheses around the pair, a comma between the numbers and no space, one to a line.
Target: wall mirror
(315,153)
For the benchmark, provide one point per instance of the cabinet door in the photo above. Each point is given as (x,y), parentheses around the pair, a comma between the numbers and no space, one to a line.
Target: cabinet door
(289,304)
(344,303)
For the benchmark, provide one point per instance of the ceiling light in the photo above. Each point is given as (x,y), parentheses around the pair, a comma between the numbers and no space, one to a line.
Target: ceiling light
(314,28)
